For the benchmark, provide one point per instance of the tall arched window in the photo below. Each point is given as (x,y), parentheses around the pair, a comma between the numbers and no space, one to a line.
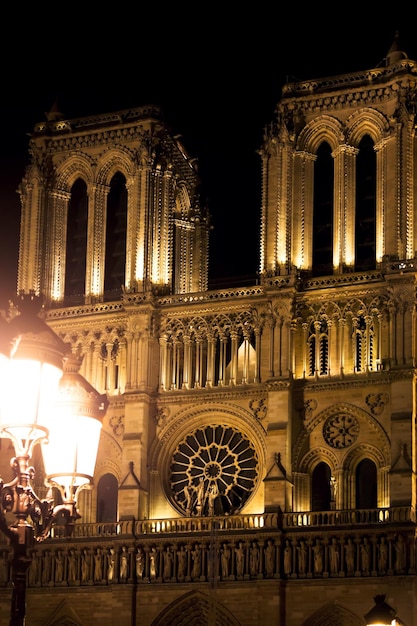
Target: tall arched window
(318,348)
(76,245)
(366,485)
(323,211)
(320,488)
(365,223)
(364,344)
(107,492)
(115,260)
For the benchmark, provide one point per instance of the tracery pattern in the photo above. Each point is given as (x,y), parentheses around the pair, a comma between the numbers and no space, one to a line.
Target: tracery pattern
(213,471)
(210,351)
(341,431)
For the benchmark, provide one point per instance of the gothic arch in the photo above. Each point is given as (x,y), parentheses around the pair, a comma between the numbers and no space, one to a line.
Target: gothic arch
(362,306)
(198,327)
(282,310)
(182,201)
(109,462)
(110,457)
(331,614)
(366,122)
(107,498)
(208,434)
(361,452)
(191,418)
(359,416)
(63,615)
(195,609)
(315,456)
(330,309)
(115,160)
(322,128)
(76,166)
(190,360)
(175,328)
(35,174)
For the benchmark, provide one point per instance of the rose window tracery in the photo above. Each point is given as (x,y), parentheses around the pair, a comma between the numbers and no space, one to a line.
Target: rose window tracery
(341,431)
(213,471)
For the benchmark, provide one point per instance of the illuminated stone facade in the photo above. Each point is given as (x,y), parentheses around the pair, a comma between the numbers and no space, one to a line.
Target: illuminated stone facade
(258,458)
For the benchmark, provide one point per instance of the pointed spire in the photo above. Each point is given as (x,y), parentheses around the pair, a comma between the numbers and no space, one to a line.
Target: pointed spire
(54,114)
(395,54)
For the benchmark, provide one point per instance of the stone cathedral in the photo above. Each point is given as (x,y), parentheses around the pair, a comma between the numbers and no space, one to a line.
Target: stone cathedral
(257,461)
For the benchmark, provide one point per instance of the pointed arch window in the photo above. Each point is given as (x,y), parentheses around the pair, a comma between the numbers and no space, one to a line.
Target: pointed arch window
(116,226)
(365,222)
(366,485)
(318,348)
(76,244)
(107,494)
(320,488)
(323,211)
(364,344)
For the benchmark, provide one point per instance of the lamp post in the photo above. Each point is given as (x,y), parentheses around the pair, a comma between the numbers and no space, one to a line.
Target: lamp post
(382,614)
(45,401)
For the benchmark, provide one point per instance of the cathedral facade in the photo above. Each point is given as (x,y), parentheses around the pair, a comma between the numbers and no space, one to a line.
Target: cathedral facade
(257,462)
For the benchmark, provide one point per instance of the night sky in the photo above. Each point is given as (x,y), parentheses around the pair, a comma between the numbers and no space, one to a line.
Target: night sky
(217,78)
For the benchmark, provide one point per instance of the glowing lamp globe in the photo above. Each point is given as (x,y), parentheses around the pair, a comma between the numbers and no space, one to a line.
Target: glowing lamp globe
(70,453)
(31,377)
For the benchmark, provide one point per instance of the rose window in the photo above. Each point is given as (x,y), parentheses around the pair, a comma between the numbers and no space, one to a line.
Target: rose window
(341,431)
(213,471)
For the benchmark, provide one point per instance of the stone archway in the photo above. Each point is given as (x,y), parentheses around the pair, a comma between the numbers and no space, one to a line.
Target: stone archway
(63,615)
(331,614)
(195,609)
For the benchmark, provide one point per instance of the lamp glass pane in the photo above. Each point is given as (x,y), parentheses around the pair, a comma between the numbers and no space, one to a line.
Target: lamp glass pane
(30,396)
(72,447)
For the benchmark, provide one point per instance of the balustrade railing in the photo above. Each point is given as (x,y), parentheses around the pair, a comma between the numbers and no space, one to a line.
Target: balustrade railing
(245,554)
(268,521)
(240,547)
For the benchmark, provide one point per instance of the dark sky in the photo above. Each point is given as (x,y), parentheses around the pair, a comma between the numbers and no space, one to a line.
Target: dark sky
(217,78)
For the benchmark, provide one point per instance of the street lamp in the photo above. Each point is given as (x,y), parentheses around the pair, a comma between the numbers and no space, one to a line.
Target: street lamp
(382,614)
(43,400)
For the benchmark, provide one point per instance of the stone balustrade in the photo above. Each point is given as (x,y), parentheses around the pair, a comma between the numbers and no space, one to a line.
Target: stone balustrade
(242,547)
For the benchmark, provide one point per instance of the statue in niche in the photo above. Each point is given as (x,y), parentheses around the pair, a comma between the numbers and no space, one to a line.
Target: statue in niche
(124,564)
(182,562)
(33,569)
(302,558)
(334,557)
(200,496)
(140,563)
(365,556)
(72,566)
(240,559)
(269,558)
(225,560)
(400,555)
(287,558)
(382,556)
(168,557)
(189,496)
(350,557)
(196,557)
(318,558)
(254,559)
(98,566)
(212,494)
(111,562)
(85,566)
(153,564)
